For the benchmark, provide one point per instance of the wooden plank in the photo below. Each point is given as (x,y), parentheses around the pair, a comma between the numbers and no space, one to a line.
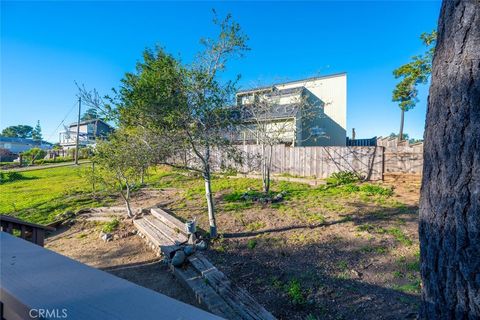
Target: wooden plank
(239,299)
(173,234)
(33,278)
(204,294)
(168,219)
(156,237)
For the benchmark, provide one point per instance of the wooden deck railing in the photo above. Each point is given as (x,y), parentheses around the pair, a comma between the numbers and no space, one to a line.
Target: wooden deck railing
(29,231)
(36,283)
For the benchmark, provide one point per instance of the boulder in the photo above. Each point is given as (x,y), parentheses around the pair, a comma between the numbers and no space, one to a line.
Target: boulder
(106,236)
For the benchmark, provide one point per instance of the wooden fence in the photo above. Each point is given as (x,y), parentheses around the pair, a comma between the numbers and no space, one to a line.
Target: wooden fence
(402,157)
(372,162)
(319,162)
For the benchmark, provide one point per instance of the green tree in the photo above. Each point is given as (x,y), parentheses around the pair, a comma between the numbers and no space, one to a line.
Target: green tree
(412,74)
(37,132)
(186,105)
(90,114)
(119,162)
(19,131)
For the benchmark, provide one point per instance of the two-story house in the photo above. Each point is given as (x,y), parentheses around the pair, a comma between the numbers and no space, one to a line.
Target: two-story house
(89,132)
(308,112)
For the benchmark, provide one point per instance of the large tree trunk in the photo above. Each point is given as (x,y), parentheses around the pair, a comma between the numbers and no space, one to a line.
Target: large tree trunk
(450,196)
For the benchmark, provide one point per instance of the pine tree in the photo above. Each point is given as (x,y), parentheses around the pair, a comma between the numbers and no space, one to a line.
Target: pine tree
(37,132)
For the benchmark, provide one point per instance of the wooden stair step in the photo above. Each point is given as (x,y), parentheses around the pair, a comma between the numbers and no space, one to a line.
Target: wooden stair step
(204,294)
(169,220)
(237,298)
(155,236)
(173,234)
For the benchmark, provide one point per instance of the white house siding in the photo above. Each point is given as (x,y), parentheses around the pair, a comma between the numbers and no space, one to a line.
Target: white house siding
(332,90)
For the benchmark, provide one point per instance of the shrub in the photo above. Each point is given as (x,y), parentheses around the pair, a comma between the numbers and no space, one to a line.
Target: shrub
(343,177)
(34,154)
(373,189)
(251,244)
(110,226)
(295,292)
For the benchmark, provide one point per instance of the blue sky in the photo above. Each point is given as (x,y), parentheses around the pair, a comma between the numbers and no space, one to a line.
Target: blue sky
(46,46)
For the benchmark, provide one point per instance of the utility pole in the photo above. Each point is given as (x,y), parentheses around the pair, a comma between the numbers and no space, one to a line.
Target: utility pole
(78,130)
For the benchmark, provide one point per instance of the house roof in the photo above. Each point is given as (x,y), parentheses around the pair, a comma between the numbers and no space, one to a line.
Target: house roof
(22,140)
(264,88)
(74,124)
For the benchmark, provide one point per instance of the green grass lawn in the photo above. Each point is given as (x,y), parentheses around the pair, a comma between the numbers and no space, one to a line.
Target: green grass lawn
(38,196)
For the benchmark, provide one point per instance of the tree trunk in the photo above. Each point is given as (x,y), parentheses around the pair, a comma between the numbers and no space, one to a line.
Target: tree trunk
(450,197)
(210,206)
(126,199)
(208,194)
(264,170)
(402,121)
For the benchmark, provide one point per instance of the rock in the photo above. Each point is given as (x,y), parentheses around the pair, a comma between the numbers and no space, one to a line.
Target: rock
(178,258)
(356,273)
(202,245)
(188,250)
(106,237)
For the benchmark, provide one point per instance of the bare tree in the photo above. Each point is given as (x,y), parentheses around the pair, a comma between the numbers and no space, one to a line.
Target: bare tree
(267,121)
(450,196)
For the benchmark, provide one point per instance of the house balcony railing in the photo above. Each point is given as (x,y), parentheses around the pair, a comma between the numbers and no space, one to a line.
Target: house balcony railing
(29,231)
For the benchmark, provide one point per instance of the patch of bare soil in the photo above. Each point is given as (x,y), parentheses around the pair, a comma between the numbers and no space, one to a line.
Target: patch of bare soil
(126,256)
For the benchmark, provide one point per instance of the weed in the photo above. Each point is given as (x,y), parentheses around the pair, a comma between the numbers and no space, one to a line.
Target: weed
(295,292)
(400,236)
(343,177)
(413,266)
(412,287)
(342,265)
(373,189)
(276,283)
(397,274)
(110,226)
(251,244)
(254,226)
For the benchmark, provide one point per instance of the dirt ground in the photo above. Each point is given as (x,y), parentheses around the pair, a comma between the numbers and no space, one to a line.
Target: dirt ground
(126,256)
(360,262)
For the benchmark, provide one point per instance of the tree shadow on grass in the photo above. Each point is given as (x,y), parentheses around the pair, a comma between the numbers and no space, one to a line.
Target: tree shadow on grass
(8,177)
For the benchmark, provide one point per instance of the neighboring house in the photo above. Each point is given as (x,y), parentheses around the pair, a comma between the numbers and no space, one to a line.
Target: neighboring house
(90,131)
(309,112)
(18,145)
